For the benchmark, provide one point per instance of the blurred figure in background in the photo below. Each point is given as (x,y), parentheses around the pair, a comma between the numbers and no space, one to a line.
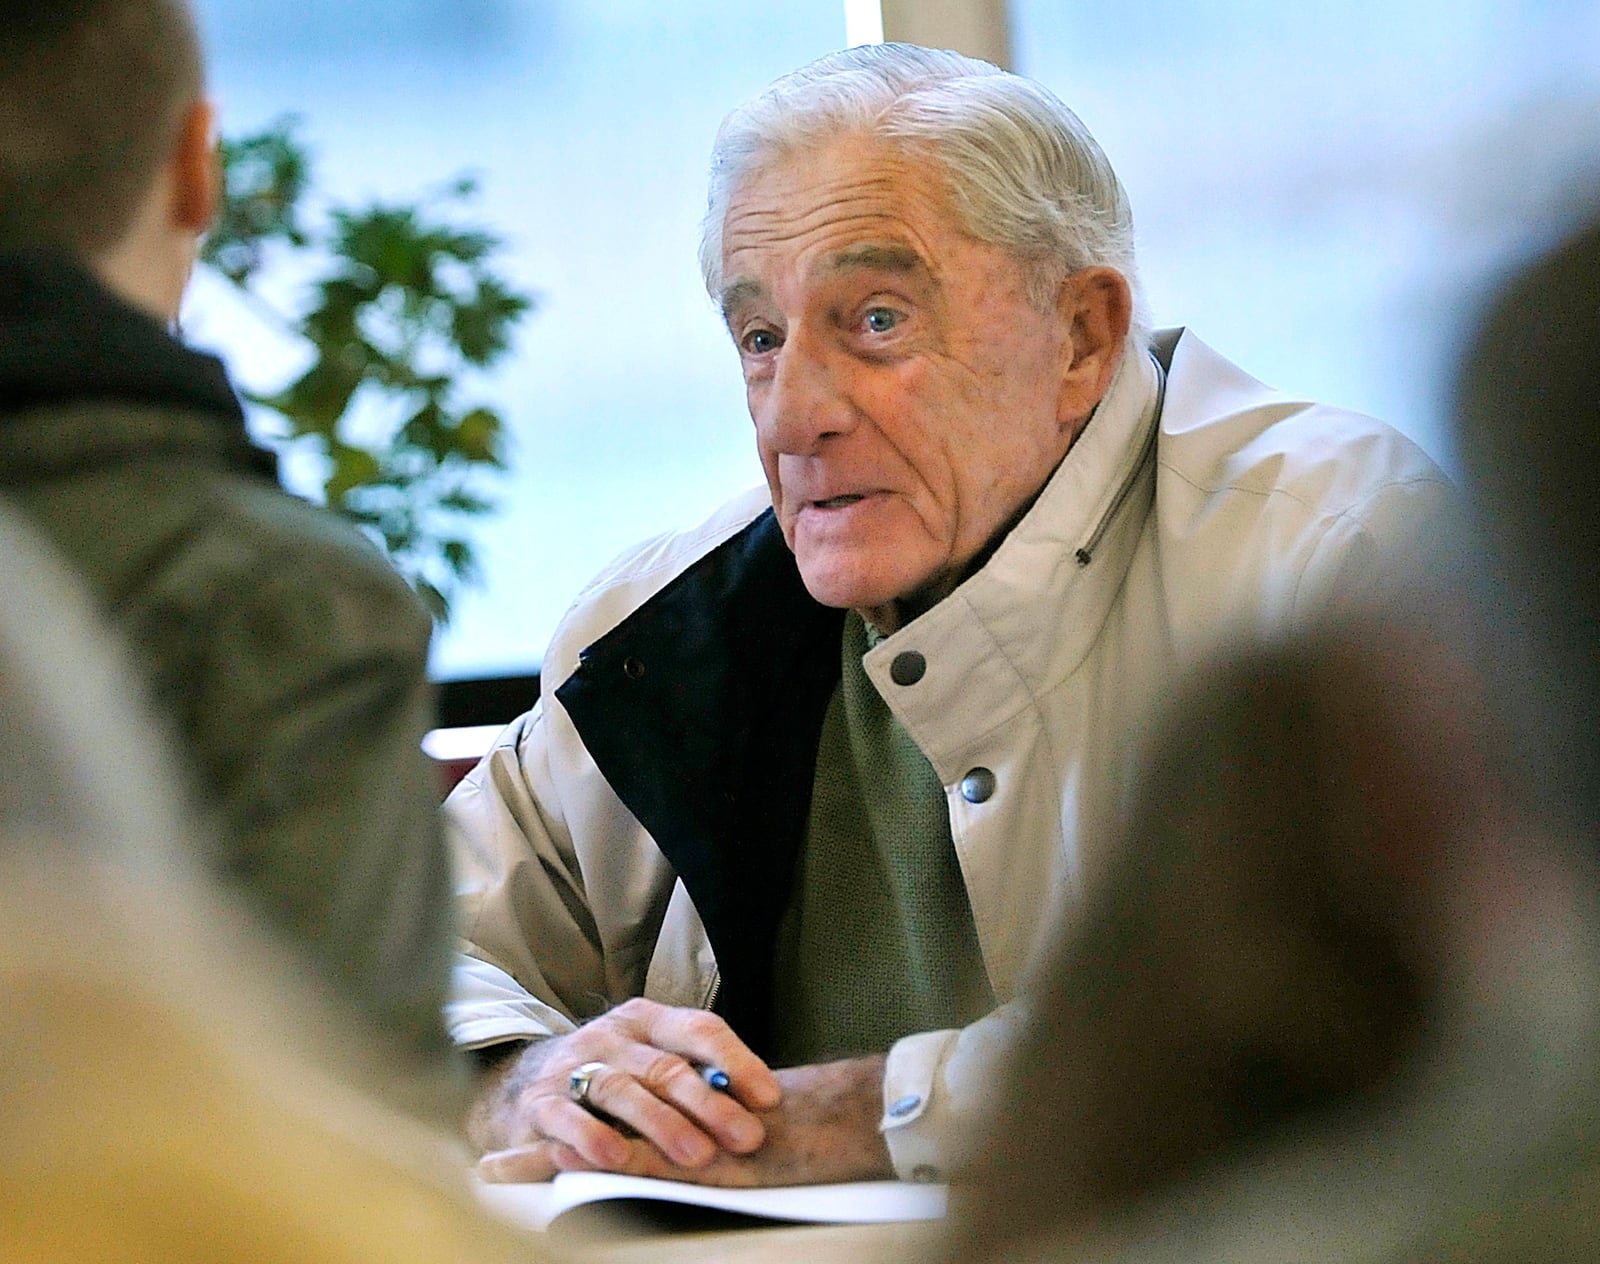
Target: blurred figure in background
(168,1089)
(1529,431)
(1342,1000)
(285,653)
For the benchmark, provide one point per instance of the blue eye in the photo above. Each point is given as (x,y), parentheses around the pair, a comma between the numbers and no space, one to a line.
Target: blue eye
(880,320)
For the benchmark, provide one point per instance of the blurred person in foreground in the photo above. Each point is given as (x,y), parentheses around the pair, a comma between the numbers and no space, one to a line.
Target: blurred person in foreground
(280,647)
(1528,421)
(809,784)
(1341,1000)
(170,1088)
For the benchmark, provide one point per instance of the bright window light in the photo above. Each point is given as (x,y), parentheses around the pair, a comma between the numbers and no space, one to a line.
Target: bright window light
(863,22)
(472,742)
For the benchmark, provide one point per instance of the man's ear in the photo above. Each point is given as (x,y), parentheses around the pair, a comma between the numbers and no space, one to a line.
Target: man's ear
(1096,305)
(196,172)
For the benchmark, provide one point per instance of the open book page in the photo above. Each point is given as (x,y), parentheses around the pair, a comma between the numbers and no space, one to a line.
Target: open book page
(536,1206)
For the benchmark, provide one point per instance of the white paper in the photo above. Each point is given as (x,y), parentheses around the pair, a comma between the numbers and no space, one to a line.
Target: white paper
(535,1206)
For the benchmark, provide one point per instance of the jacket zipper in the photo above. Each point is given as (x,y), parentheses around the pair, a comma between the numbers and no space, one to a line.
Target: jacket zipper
(1085,555)
(716,990)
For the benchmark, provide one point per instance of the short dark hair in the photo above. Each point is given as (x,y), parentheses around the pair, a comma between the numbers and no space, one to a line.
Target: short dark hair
(92,93)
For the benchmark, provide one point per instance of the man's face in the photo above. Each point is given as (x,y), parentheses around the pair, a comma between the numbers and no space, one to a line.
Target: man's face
(908,397)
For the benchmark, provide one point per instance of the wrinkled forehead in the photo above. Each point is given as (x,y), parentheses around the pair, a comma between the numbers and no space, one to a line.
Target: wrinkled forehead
(847,204)
(815,170)
(818,166)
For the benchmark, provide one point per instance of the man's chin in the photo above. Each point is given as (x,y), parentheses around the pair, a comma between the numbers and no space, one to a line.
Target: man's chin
(876,602)
(845,594)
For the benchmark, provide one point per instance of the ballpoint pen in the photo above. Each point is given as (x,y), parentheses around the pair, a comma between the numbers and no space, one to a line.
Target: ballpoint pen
(716,1077)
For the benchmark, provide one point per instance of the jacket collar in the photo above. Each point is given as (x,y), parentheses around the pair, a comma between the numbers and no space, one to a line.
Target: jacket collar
(1029,617)
(65,340)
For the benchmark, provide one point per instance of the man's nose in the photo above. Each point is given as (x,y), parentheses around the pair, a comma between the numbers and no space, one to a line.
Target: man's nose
(806,401)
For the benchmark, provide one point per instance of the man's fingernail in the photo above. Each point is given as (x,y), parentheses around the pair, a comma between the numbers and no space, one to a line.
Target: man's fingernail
(494,1167)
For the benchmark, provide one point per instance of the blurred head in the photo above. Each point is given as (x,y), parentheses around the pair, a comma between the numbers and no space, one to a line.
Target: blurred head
(1314,851)
(105,140)
(1529,431)
(926,267)
(1337,915)
(275,1133)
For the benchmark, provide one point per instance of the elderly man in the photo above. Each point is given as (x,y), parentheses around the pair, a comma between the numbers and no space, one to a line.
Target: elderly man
(809,782)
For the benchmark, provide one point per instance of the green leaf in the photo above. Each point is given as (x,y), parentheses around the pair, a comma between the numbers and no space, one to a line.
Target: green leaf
(477,436)
(459,556)
(482,327)
(335,321)
(465,245)
(352,468)
(389,242)
(465,503)
(438,604)
(264,177)
(428,429)
(315,402)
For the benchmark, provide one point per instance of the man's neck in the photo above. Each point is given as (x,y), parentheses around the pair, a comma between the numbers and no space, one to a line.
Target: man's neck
(149,265)
(142,287)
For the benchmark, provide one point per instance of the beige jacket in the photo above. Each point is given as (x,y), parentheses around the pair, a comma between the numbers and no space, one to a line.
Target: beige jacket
(1197,508)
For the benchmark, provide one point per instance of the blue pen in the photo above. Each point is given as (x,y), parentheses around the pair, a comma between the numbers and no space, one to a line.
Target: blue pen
(716,1077)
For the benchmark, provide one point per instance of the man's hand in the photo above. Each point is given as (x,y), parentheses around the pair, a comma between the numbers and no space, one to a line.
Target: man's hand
(824,1129)
(650,1086)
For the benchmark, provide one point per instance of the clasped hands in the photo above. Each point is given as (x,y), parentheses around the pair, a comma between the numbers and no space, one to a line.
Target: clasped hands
(649,1112)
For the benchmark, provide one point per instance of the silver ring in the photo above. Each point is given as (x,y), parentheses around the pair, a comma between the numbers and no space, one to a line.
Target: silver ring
(580,1079)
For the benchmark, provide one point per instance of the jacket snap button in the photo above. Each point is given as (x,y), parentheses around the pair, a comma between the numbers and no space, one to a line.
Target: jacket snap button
(904,1106)
(632,668)
(907,668)
(977,785)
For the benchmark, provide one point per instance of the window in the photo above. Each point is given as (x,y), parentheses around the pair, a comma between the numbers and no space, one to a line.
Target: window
(1318,188)
(590,123)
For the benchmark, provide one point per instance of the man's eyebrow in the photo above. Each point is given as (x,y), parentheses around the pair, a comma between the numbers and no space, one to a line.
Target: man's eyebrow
(738,293)
(879,256)
(890,257)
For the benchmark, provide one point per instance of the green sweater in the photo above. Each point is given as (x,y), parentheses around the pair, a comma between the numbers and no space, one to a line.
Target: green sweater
(878,939)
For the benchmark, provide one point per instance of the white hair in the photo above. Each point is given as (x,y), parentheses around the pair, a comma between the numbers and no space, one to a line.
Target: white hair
(1022,171)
